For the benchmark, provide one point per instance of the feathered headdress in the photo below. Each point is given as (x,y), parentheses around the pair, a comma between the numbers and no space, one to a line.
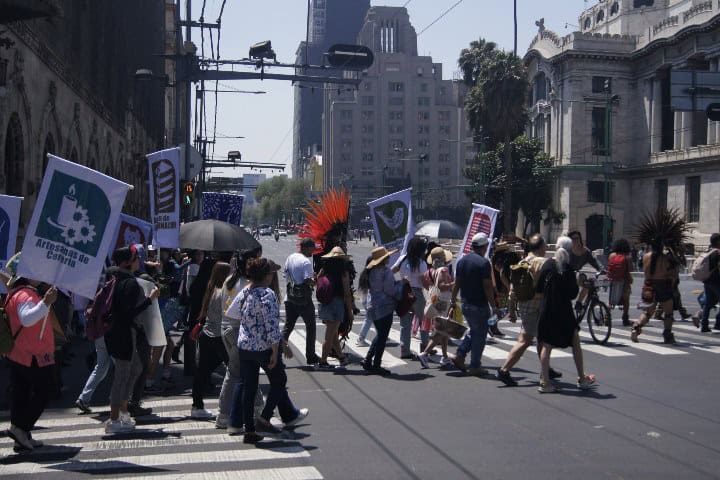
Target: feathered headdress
(663,229)
(326,220)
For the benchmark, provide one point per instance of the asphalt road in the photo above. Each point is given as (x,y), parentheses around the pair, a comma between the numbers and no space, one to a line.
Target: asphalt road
(652,415)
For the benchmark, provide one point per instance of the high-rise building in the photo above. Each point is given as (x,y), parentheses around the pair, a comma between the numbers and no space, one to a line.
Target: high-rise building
(404,126)
(331,22)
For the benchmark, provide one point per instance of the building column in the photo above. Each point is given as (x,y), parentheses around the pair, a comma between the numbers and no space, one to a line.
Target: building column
(548,134)
(677,137)
(687,125)
(713,130)
(656,117)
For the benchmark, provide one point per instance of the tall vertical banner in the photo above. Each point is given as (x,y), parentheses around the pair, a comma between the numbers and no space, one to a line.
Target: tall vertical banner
(129,231)
(72,227)
(225,207)
(392,221)
(9,220)
(164,172)
(482,220)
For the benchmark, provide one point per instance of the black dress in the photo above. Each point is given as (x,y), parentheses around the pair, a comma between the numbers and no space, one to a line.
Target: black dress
(557,324)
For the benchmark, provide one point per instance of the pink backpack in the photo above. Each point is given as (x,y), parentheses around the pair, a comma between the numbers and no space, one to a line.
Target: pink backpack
(99,313)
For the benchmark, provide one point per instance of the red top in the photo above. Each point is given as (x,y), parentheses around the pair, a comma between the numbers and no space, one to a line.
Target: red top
(28,343)
(617,267)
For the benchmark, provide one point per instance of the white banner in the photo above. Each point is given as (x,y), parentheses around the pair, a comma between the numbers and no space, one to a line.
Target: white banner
(72,227)
(482,220)
(392,221)
(9,220)
(150,318)
(129,231)
(164,170)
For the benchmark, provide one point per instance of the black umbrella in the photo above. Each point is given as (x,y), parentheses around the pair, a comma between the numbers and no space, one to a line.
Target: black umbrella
(440,229)
(215,236)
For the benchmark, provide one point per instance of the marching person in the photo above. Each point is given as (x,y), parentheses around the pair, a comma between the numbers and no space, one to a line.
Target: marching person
(412,267)
(300,279)
(557,325)
(440,259)
(32,358)
(121,339)
(335,267)
(712,286)
(383,293)
(473,282)
(580,256)
(620,276)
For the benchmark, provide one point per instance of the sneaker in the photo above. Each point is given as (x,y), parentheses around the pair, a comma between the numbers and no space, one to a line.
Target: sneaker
(252,438)
(423,358)
(82,406)
(118,426)
(459,362)
(201,414)
(668,337)
(383,372)
(445,362)
(235,430)
(626,321)
(153,388)
(554,374)
(505,377)
(548,388)
(496,331)
(221,421)
(325,366)
(20,436)
(367,366)
(635,333)
(126,418)
(477,372)
(264,427)
(167,375)
(302,413)
(137,410)
(35,443)
(705,329)
(407,355)
(361,342)
(586,382)
(313,359)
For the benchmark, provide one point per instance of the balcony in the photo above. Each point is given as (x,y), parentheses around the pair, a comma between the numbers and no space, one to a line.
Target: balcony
(701,152)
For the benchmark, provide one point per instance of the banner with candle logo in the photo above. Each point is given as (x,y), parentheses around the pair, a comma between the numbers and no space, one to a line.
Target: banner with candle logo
(72,227)
(482,220)
(129,231)
(392,221)
(163,169)
(225,207)
(9,219)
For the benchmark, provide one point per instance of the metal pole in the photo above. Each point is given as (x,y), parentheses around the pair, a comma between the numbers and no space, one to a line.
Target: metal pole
(608,157)
(515,26)
(188,97)
(176,93)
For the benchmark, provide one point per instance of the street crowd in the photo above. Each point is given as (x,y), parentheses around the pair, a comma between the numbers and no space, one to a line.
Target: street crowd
(228,306)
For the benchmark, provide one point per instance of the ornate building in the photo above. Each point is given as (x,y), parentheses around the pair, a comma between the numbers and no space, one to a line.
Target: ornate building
(601,102)
(67,87)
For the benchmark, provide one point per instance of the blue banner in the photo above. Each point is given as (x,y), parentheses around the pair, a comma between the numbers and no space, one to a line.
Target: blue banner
(225,207)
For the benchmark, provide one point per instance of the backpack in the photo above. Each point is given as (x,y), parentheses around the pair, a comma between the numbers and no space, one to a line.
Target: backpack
(7,339)
(99,313)
(427,278)
(522,281)
(617,267)
(324,290)
(701,267)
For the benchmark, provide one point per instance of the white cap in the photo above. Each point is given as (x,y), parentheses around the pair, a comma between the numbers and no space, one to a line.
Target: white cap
(480,240)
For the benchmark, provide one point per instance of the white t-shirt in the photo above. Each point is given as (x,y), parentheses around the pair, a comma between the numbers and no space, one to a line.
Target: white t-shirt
(415,276)
(298,267)
(192,272)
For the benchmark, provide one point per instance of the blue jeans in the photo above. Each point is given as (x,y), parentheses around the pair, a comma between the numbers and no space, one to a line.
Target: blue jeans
(366,326)
(102,365)
(377,348)
(406,322)
(712,295)
(474,341)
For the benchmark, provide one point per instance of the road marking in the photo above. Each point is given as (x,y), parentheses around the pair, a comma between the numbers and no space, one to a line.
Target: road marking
(414,342)
(556,353)
(389,360)
(290,473)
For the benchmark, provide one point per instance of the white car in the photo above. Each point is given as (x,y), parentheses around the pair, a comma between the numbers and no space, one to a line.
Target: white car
(282,233)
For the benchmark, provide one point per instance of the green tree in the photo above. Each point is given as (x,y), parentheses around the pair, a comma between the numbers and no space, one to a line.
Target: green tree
(278,196)
(495,102)
(529,182)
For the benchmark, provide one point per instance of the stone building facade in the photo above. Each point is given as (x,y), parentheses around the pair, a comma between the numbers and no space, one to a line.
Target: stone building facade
(67,88)
(404,125)
(601,103)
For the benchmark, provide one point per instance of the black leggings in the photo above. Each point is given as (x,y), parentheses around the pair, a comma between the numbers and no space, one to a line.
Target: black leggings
(31,388)
(377,348)
(212,354)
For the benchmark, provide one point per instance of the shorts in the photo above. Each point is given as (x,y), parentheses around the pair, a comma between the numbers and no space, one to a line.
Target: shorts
(663,290)
(333,311)
(529,319)
(171,312)
(619,291)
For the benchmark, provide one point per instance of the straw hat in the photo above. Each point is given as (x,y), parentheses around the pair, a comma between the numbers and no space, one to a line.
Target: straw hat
(439,252)
(337,252)
(379,255)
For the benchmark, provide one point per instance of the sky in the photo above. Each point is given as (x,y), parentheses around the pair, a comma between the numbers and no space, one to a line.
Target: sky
(265,120)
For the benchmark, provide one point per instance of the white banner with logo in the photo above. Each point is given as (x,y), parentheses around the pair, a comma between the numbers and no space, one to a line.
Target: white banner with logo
(130,231)
(392,221)
(150,318)
(9,220)
(164,173)
(482,220)
(72,227)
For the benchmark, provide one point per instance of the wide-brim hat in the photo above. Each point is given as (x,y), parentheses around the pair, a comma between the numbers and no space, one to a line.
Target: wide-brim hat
(379,255)
(11,268)
(441,253)
(274,267)
(338,253)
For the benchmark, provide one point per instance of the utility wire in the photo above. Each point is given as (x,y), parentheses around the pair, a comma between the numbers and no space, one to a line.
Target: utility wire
(282,142)
(440,17)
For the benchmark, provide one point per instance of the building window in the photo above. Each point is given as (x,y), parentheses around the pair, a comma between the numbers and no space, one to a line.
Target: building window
(444,158)
(596,192)
(444,172)
(346,129)
(614,9)
(344,157)
(423,116)
(599,146)
(540,87)
(396,129)
(368,115)
(600,16)
(444,116)
(346,144)
(396,144)
(368,129)
(367,100)
(443,91)
(367,142)
(367,157)
(396,86)
(423,143)
(3,72)
(423,87)
(643,3)
(692,199)
(396,101)
(367,86)
(661,193)
(423,129)
(598,84)
(444,129)
(587,24)
(423,101)
(346,114)
(396,115)
(14,157)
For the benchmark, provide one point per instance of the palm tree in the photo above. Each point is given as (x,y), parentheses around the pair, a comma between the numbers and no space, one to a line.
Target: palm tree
(495,103)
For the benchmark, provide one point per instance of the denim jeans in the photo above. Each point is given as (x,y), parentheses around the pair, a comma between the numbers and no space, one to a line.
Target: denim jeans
(377,348)
(366,326)
(102,365)
(474,341)
(712,295)
(278,394)
(232,372)
(307,312)
(407,319)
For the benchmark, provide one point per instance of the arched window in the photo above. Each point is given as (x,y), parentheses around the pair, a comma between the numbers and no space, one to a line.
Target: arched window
(49,147)
(14,157)
(614,8)
(540,87)
(587,24)
(600,16)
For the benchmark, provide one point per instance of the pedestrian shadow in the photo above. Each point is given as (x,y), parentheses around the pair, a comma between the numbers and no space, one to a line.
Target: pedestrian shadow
(409,377)
(108,467)
(141,434)
(48,453)
(271,443)
(592,393)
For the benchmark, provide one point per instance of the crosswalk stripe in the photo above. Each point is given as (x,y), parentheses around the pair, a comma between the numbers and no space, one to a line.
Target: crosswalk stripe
(619,338)
(603,350)
(290,473)
(159,460)
(389,360)
(414,342)
(556,353)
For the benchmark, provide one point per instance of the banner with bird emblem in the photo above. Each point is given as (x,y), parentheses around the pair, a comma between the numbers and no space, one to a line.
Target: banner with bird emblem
(392,221)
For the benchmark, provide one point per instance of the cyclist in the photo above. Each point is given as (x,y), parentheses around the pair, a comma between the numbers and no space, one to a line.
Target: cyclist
(580,256)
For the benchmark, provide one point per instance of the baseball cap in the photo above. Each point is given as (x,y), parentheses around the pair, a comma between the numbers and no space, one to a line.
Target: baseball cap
(480,240)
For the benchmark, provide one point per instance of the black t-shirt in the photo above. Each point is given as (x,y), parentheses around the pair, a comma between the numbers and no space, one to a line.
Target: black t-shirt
(715,275)
(472,269)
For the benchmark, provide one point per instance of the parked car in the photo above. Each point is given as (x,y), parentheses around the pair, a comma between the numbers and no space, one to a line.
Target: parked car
(266,230)
(282,233)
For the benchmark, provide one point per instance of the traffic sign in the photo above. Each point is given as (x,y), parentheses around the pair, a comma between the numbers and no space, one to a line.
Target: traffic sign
(350,57)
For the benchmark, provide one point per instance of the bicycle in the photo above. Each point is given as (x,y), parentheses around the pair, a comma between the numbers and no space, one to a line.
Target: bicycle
(599,318)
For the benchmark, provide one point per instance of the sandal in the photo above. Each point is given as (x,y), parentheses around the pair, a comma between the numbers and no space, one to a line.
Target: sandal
(635,332)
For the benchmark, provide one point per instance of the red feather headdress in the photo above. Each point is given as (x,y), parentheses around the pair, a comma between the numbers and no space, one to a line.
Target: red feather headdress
(327,218)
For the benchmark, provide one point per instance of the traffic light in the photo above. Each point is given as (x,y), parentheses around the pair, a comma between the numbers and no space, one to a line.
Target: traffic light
(188,193)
